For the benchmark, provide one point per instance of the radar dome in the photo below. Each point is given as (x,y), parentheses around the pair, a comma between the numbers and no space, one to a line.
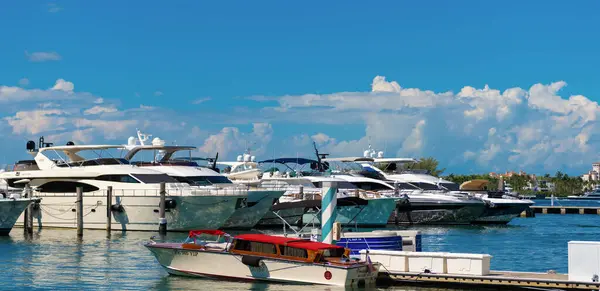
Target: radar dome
(366,154)
(246,158)
(240,158)
(253,159)
(380,154)
(158,142)
(131,141)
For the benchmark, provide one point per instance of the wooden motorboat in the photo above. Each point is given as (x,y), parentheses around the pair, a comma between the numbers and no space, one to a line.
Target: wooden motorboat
(263,257)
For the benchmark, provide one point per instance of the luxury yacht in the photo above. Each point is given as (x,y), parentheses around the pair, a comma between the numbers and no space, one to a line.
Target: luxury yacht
(360,202)
(430,199)
(164,159)
(136,196)
(437,201)
(12,205)
(500,208)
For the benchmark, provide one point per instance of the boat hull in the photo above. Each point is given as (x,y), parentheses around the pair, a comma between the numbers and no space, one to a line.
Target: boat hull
(376,213)
(438,212)
(223,265)
(10,211)
(258,205)
(292,216)
(501,212)
(136,212)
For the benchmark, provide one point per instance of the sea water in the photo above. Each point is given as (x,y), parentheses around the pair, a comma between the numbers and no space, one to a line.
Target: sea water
(53,259)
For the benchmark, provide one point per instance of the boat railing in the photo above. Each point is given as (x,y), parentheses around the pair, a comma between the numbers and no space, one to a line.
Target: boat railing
(155,192)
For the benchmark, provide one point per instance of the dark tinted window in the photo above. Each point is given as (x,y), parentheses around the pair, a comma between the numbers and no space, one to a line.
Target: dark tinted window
(94,162)
(154,178)
(203,180)
(335,253)
(118,178)
(451,186)
(65,187)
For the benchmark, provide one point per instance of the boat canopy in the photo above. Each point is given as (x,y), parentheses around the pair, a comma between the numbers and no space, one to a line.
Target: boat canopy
(300,161)
(290,242)
(474,185)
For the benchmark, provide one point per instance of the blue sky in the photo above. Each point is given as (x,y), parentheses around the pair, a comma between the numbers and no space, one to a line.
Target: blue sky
(193,72)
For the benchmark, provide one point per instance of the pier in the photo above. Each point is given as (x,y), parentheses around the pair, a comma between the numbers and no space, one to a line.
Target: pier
(561,210)
(493,280)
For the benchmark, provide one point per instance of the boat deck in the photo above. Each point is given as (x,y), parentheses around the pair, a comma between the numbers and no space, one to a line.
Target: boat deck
(494,280)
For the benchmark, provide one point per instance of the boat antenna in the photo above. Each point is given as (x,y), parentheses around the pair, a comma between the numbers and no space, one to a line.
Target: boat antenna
(320,157)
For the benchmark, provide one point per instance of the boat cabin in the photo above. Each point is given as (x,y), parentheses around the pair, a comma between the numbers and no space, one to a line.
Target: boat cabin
(288,248)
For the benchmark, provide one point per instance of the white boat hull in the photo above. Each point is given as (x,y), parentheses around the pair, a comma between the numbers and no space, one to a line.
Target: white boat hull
(224,265)
(138,212)
(376,213)
(258,205)
(10,211)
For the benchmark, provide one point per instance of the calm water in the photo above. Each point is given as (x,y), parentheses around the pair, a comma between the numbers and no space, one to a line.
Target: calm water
(56,259)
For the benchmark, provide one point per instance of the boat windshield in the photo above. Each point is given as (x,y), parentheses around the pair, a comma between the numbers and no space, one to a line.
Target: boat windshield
(154,178)
(203,180)
(93,162)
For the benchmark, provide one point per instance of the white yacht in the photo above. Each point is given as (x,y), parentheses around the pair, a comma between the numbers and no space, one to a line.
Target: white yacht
(359,200)
(136,196)
(164,159)
(430,199)
(244,168)
(11,207)
(437,201)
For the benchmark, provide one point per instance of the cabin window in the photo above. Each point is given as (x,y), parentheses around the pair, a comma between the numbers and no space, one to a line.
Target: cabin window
(203,180)
(372,186)
(293,252)
(333,253)
(154,178)
(256,247)
(118,178)
(65,187)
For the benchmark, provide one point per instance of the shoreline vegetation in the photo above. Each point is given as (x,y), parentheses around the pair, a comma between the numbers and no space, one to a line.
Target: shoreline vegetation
(559,184)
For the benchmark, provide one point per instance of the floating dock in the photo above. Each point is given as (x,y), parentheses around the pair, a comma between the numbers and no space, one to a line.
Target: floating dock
(494,280)
(565,210)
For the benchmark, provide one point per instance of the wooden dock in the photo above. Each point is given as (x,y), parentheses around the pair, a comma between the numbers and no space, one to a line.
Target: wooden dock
(494,281)
(566,209)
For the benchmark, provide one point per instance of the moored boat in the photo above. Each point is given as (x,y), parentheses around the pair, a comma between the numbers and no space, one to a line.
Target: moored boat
(263,258)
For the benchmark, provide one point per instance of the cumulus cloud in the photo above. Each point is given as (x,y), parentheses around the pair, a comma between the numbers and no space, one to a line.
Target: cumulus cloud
(100,109)
(63,85)
(39,57)
(232,141)
(158,93)
(512,128)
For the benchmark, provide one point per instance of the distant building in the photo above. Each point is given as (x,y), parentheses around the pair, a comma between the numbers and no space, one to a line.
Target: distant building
(509,174)
(594,174)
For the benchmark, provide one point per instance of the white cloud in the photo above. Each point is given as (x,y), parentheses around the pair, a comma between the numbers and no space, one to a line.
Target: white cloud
(24,82)
(201,100)
(533,128)
(321,138)
(158,93)
(42,56)
(99,100)
(100,109)
(63,85)
(231,141)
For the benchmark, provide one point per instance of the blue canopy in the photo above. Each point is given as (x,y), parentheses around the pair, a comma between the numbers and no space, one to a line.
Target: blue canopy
(300,161)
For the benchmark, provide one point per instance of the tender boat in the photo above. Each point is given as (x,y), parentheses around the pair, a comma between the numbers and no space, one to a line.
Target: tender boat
(263,258)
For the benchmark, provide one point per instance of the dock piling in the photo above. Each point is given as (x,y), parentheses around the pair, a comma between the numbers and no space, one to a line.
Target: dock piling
(329,210)
(162,221)
(28,217)
(109,191)
(79,211)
